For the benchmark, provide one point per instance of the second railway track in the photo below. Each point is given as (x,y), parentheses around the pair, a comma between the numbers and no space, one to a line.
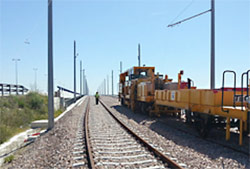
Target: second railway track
(111,144)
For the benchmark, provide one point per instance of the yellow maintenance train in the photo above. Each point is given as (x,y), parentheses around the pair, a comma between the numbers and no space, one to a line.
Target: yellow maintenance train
(142,90)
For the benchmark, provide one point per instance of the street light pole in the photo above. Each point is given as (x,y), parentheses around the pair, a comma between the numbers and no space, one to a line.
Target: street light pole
(35,85)
(16,60)
(50,68)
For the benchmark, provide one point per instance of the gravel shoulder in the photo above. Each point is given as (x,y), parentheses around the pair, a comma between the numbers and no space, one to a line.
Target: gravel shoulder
(53,149)
(192,151)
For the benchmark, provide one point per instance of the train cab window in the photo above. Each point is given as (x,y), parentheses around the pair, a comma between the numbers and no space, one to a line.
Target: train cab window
(140,74)
(143,74)
(127,78)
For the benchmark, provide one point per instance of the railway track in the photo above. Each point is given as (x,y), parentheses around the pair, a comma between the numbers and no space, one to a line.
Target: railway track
(183,128)
(79,151)
(111,144)
(245,152)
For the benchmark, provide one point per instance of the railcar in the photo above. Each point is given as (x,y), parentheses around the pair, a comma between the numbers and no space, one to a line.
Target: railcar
(143,90)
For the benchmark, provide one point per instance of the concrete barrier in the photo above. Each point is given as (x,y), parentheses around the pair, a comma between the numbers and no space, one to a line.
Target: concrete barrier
(44,123)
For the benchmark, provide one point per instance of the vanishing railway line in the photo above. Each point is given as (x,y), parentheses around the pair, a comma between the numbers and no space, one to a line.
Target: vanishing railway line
(111,144)
(103,141)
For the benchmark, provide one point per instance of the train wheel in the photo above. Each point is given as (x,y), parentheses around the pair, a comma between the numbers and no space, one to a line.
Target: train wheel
(179,114)
(122,102)
(202,124)
(143,108)
(132,106)
(188,116)
(137,107)
(202,128)
(245,132)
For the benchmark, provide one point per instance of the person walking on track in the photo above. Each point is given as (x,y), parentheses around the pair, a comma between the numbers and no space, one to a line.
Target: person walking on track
(96,98)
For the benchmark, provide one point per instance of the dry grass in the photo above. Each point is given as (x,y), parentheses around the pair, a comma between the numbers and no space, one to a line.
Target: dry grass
(17,112)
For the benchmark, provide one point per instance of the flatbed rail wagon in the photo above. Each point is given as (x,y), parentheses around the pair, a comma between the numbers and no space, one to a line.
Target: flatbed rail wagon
(143,90)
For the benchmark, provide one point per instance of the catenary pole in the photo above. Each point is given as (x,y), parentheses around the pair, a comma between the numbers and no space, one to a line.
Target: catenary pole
(83,82)
(212,80)
(212,46)
(139,55)
(112,77)
(80,77)
(107,84)
(74,71)
(35,70)
(104,86)
(50,68)
(120,67)
(16,60)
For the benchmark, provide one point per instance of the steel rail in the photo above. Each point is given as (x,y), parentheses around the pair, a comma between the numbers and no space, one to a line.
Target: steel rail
(205,139)
(90,158)
(163,157)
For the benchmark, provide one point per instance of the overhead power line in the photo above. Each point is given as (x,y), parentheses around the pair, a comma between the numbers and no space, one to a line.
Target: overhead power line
(182,11)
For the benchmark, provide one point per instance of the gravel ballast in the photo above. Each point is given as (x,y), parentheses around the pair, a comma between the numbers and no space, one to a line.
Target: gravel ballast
(113,146)
(188,150)
(53,149)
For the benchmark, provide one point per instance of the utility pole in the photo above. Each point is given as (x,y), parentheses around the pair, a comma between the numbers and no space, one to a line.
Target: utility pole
(112,77)
(80,77)
(50,68)
(120,67)
(35,84)
(74,71)
(139,55)
(16,60)
(212,76)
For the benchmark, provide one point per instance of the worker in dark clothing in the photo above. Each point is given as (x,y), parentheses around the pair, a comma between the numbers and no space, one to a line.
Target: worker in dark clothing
(96,97)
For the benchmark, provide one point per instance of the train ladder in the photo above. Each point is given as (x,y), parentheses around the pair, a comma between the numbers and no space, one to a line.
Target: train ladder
(222,100)
(245,97)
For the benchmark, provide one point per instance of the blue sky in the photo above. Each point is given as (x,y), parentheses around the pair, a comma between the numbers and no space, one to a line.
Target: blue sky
(108,31)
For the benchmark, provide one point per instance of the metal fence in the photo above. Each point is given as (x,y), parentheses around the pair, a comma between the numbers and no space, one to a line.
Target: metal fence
(8,89)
